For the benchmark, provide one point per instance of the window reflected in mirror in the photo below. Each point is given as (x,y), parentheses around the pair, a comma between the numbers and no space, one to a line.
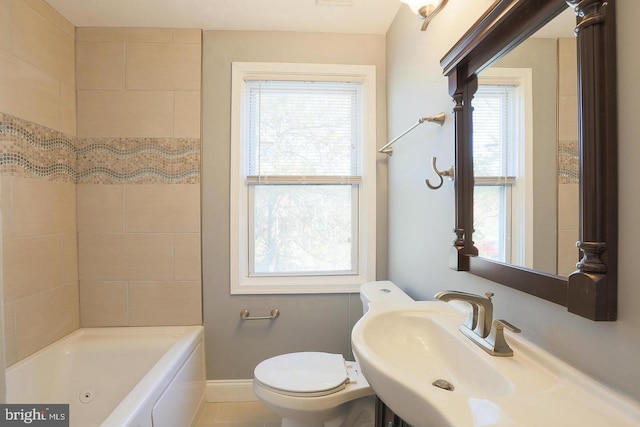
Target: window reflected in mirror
(525,154)
(499,148)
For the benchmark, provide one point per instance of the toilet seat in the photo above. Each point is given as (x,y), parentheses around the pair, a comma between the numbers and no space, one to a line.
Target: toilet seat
(306,374)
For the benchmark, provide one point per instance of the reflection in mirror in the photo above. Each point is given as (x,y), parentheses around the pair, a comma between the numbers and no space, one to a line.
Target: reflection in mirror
(591,290)
(525,153)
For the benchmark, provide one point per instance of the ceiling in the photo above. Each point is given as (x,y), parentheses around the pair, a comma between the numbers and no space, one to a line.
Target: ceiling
(334,16)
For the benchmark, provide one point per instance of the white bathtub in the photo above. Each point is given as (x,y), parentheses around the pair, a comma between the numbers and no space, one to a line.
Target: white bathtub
(117,377)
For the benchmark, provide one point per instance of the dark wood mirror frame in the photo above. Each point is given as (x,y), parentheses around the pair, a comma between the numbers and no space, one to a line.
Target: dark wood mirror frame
(590,291)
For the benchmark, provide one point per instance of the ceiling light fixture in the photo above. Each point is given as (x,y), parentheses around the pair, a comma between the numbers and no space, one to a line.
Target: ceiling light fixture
(426,10)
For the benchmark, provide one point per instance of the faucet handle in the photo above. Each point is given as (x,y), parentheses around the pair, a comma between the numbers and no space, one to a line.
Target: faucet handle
(496,341)
(500,323)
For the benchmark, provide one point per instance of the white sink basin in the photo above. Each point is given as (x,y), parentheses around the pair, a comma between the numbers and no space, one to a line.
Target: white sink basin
(403,349)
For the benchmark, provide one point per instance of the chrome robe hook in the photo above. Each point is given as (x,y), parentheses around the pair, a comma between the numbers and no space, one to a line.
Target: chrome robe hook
(448,173)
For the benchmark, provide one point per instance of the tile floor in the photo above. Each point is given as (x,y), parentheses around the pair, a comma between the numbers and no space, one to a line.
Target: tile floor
(237,414)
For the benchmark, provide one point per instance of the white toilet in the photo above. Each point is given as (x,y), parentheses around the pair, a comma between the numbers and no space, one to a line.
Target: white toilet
(313,389)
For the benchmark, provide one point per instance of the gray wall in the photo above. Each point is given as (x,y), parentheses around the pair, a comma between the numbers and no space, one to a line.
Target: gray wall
(307,322)
(420,220)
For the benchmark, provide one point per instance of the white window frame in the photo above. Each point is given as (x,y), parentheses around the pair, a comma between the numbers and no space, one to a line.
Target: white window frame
(519,193)
(241,281)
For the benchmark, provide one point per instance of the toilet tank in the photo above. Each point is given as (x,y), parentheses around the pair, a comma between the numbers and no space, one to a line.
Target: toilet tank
(381,291)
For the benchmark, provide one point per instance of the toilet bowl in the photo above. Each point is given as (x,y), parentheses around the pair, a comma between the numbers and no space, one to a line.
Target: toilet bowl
(315,389)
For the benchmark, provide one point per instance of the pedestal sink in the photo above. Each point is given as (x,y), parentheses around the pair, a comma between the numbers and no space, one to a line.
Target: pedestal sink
(431,375)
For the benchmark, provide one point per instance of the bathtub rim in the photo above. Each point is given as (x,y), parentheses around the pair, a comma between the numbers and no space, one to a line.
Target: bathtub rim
(155,380)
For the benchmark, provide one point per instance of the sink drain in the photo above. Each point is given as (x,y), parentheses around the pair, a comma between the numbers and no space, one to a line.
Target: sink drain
(443,384)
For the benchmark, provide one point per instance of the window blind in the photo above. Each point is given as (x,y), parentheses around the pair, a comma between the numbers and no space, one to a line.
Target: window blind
(303,131)
(494,134)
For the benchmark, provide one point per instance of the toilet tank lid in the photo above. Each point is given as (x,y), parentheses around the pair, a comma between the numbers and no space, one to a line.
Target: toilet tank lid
(382,290)
(305,372)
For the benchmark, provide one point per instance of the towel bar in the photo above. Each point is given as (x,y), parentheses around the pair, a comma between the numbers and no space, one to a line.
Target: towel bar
(245,315)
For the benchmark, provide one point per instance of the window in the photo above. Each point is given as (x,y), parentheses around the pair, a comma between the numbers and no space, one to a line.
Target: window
(303,178)
(500,133)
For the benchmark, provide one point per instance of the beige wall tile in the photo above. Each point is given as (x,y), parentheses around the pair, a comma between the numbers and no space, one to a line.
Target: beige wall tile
(42,207)
(568,118)
(162,303)
(568,73)
(100,65)
(102,257)
(568,44)
(9,335)
(100,208)
(70,258)
(568,206)
(28,93)
(150,256)
(5,24)
(52,15)
(103,304)
(163,208)
(5,201)
(42,44)
(104,34)
(67,109)
(31,265)
(187,257)
(160,66)
(187,36)
(186,115)
(125,113)
(45,318)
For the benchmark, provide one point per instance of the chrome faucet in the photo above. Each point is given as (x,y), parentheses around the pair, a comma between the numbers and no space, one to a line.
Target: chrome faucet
(480,326)
(482,310)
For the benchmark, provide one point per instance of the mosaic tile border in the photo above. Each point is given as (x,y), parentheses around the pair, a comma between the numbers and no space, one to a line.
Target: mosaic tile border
(138,160)
(33,151)
(568,162)
(29,150)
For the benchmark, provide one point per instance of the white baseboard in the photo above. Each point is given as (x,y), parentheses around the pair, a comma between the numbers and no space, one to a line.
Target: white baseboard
(230,391)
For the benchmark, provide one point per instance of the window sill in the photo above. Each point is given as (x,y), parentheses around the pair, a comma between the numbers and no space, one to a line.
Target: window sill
(285,285)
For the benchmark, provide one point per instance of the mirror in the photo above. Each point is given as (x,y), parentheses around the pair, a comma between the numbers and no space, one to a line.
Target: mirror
(482,55)
(525,153)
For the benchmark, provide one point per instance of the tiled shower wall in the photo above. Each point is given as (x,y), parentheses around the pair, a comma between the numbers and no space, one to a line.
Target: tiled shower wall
(138,192)
(37,194)
(121,182)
